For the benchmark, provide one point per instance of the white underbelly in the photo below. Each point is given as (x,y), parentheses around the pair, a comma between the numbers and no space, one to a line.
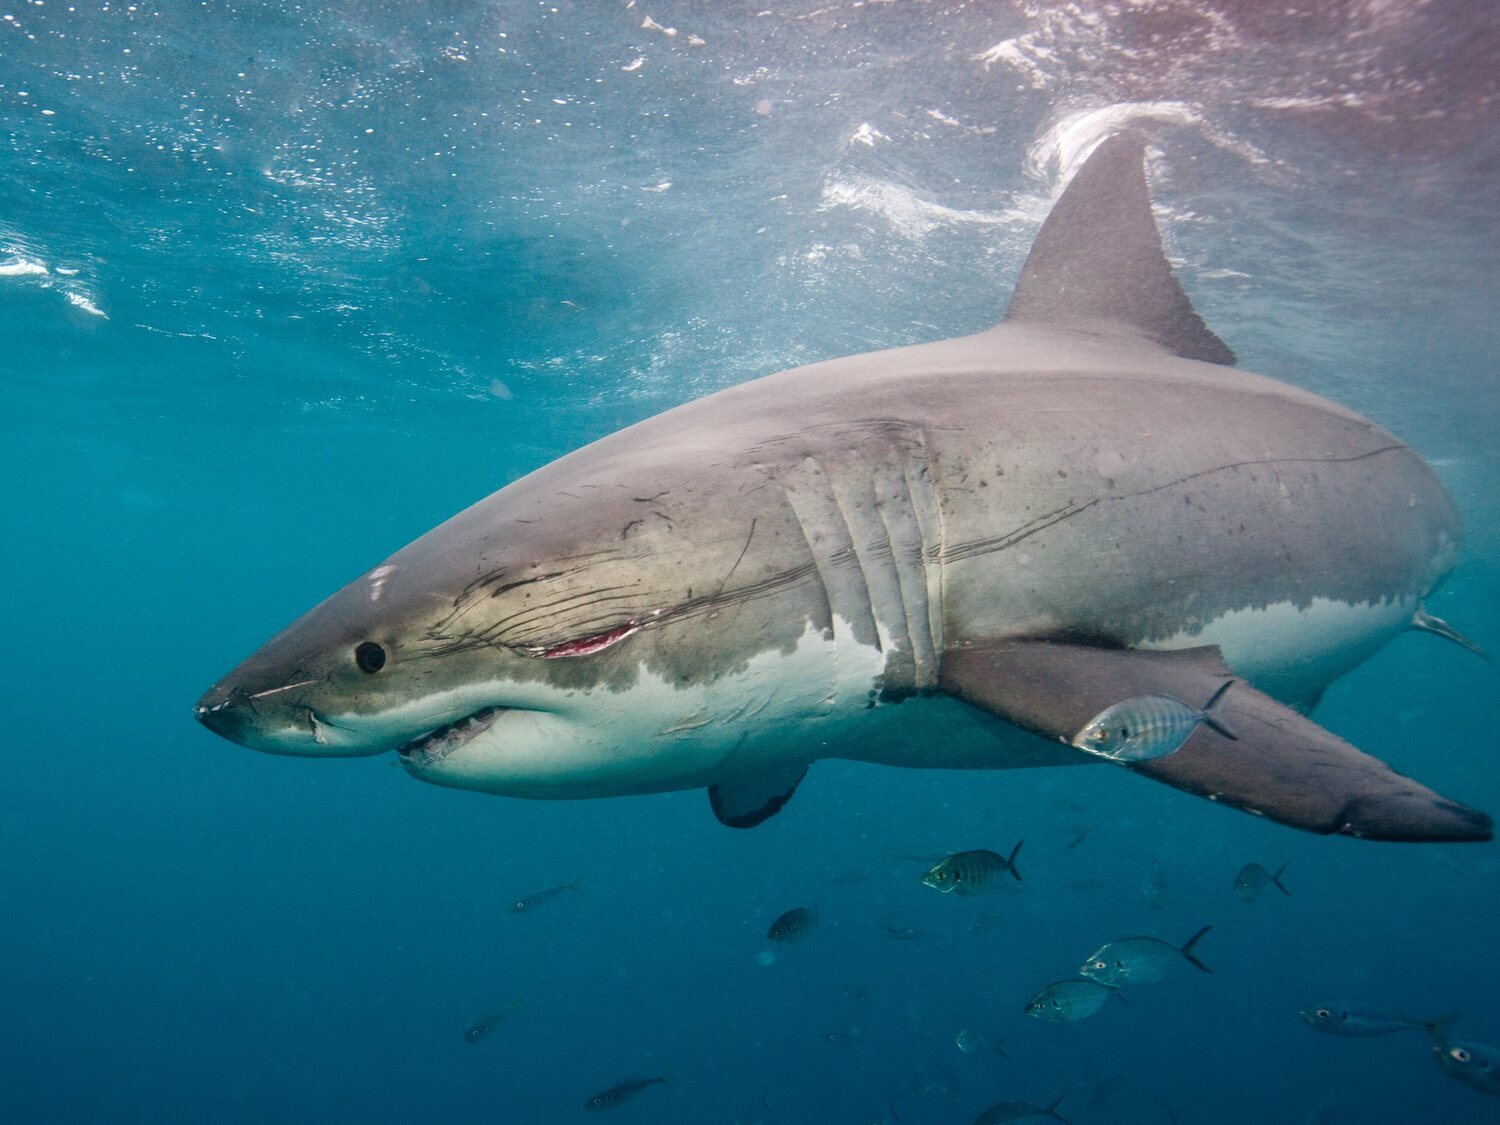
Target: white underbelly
(1293,652)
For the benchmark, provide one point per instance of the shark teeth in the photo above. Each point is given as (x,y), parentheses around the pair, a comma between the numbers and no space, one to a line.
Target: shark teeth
(431,748)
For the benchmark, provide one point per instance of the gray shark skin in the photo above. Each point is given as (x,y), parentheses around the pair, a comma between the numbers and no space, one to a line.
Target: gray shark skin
(868,557)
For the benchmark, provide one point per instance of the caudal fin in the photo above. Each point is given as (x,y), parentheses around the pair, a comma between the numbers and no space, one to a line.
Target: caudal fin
(1051,1110)
(1187,951)
(1276,878)
(1213,720)
(1010,862)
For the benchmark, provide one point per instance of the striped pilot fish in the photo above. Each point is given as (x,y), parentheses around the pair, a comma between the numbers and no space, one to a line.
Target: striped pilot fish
(1147,726)
(971,873)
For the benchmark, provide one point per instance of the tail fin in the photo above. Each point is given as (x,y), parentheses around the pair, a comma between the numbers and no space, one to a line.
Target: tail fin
(765,1101)
(1010,861)
(1426,623)
(1187,950)
(1276,878)
(1438,1028)
(1051,1110)
(1211,720)
(1000,1047)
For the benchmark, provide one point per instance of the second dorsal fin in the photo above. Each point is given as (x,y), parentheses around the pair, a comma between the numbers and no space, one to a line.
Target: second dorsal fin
(1098,260)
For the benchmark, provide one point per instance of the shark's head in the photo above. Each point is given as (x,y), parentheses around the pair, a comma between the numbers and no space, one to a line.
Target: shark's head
(537,643)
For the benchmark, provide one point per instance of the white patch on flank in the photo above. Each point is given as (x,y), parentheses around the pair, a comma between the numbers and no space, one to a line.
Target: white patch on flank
(1293,653)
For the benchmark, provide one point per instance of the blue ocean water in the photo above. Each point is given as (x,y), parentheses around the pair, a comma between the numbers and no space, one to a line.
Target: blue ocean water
(284,285)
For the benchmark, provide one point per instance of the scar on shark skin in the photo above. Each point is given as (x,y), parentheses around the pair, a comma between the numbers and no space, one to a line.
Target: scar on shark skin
(278,690)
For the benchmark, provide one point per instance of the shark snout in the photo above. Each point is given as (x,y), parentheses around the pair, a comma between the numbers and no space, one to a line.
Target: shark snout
(224,710)
(274,719)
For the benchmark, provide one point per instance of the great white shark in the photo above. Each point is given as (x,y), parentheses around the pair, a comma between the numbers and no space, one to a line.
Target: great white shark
(948,555)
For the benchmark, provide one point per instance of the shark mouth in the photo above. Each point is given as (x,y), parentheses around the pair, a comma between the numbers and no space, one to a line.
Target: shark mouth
(431,748)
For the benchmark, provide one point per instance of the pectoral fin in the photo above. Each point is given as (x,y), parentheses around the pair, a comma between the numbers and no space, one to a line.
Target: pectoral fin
(748,799)
(1282,766)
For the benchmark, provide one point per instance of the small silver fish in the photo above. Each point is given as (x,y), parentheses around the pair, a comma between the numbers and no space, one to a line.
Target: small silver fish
(621,1092)
(972,873)
(797,924)
(1473,1064)
(1366,1023)
(900,933)
(969,1041)
(1020,1111)
(1148,726)
(1253,878)
(486,1023)
(844,1036)
(1064,1001)
(972,1042)
(541,898)
(1139,960)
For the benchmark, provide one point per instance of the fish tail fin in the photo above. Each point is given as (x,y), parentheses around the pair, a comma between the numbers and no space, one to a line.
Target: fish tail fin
(894,1115)
(1000,1047)
(1051,1110)
(1010,861)
(1214,721)
(1118,994)
(1276,878)
(1427,623)
(576,884)
(662,1078)
(1438,1028)
(1187,951)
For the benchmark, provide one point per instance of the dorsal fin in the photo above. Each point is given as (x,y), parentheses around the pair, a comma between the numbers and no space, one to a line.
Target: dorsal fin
(1098,260)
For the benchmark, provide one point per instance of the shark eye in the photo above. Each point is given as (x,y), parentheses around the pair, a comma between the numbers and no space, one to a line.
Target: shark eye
(369,656)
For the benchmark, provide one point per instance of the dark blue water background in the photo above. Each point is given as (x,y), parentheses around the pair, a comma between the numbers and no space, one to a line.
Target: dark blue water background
(282,286)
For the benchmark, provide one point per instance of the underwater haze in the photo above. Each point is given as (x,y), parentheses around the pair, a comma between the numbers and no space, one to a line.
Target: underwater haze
(284,285)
